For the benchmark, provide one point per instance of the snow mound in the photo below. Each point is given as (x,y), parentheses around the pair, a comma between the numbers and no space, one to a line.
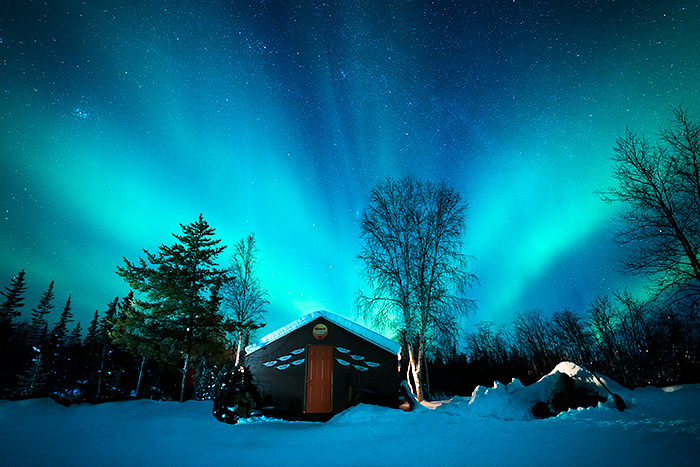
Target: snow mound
(661,427)
(366,414)
(588,380)
(512,401)
(515,401)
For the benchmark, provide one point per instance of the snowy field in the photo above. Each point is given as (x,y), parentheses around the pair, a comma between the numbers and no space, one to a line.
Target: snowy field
(492,427)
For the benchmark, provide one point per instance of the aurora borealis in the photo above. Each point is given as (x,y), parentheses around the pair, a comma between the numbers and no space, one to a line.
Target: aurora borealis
(120,120)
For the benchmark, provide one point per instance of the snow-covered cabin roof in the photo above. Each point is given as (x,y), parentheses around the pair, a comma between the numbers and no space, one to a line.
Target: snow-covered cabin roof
(361,331)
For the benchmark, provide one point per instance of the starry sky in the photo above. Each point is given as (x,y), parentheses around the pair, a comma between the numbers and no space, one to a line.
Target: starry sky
(119,120)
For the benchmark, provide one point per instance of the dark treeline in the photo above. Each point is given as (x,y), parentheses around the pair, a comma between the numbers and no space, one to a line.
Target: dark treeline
(634,342)
(181,339)
(38,360)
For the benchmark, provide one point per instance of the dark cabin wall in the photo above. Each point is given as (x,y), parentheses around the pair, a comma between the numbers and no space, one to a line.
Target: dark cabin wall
(285,381)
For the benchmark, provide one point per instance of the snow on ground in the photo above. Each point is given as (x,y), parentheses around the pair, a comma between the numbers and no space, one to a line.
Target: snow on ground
(492,427)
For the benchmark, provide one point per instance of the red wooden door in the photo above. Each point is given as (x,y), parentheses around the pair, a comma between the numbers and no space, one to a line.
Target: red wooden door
(319,379)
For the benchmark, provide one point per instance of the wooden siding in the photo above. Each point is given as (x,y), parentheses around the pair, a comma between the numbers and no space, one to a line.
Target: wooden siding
(361,371)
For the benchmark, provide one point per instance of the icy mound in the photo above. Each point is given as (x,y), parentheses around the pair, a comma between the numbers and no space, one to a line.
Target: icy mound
(515,401)
(512,401)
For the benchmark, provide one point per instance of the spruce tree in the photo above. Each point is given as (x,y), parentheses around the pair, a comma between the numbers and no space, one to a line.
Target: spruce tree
(112,361)
(38,327)
(142,345)
(76,336)
(10,346)
(93,358)
(92,337)
(108,321)
(60,330)
(14,300)
(76,362)
(33,381)
(177,319)
(57,354)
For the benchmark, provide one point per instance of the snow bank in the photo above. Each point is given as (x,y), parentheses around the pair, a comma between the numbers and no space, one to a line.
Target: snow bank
(515,401)
(491,427)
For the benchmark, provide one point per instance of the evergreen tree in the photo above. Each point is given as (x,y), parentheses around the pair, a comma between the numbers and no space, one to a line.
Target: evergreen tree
(76,336)
(11,356)
(125,304)
(92,355)
(33,381)
(112,359)
(178,319)
(143,347)
(92,337)
(76,359)
(38,327)
(14,300)
(57,354)
(60,330)
(108,321)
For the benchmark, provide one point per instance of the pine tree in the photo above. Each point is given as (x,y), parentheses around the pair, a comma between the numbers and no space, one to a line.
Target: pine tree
(38,327)
(10,344)
(126,303)
(60,330)
(92,337)
(111,362)
(14,300)
(76,362)
(76,336)
(33,381)
(178,320)
(108,321)
(93,358)
(139,344)
(57,354)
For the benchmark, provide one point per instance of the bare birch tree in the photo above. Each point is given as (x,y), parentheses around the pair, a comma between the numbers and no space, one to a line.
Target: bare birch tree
(412,242)
(533,333)
(244,297)
(574,338)
(660,185)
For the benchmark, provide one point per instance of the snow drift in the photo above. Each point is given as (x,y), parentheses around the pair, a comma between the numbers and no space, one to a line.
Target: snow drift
(515,401)
(494,426)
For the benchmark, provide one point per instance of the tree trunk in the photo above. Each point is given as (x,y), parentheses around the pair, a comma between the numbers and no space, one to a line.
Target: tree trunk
(238,349)
(426,378)
(99,380)
(415,374)
(138,383)
(185,367)
(423,371)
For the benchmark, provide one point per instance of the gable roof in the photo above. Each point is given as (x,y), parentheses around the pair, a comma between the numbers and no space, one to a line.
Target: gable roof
(361,331)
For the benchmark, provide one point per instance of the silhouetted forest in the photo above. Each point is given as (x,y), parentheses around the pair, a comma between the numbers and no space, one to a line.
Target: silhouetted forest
(633,342)
(636,343)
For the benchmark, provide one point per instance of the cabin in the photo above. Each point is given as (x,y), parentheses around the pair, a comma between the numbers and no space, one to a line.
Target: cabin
(321,364)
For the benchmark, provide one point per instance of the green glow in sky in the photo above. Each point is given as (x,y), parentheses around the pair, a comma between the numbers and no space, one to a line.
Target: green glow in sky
(118,122)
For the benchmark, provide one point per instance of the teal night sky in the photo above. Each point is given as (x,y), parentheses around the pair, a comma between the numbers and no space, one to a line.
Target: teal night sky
(119,120)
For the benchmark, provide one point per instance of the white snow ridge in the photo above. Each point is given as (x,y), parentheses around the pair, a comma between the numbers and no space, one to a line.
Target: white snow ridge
(492,427)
